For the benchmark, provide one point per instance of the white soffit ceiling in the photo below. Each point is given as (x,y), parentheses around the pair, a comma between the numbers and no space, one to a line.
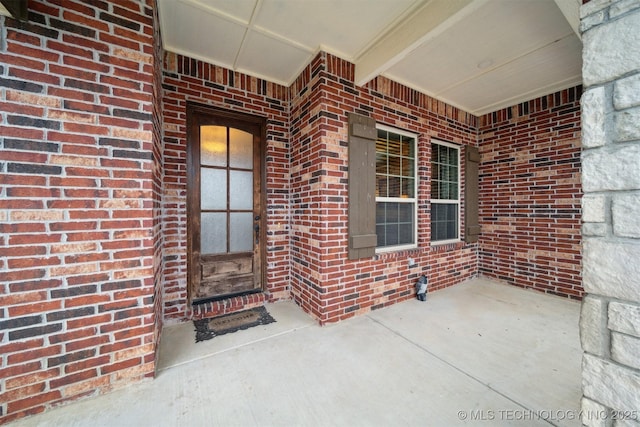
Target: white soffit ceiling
(478,55)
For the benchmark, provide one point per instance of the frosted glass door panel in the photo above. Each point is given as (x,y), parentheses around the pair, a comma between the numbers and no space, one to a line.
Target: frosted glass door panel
(213,145)
(213,233)
(241,149)
(241,190)
(241,232)
(213,189)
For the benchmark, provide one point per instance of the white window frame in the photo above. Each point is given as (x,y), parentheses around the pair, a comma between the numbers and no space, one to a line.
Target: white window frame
(413,200)
(447,201)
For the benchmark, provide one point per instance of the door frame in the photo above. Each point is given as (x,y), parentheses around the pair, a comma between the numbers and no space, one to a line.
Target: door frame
(228,118)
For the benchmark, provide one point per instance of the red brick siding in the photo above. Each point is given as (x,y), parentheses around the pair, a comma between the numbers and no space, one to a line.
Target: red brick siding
(189,80)
(77,202)
(93,186)
(324,282)
(530,194)
(306,185)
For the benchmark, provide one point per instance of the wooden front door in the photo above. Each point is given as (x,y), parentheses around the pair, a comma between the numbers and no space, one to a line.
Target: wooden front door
(224,204)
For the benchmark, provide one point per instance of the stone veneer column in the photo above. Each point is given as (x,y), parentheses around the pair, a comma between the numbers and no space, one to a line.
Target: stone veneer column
(610,318)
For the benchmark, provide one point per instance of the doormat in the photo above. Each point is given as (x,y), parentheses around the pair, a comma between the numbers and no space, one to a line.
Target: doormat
(209,328)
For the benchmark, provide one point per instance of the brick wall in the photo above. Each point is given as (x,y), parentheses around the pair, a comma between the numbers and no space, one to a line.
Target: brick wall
(189,80)
(306,186)
(76,202)
(323,280)
(530,194)
(308,119)
(93,195)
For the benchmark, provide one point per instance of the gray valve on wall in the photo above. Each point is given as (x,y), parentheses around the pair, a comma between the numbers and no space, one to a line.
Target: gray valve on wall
(421,288)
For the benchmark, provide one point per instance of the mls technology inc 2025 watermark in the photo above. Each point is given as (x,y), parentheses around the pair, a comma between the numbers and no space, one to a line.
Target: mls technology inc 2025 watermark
(544,415)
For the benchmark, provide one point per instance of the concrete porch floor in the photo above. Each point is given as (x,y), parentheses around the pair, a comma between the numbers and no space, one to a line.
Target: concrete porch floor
(477,353)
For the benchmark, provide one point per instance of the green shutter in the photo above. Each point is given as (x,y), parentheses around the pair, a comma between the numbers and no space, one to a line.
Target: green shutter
(471,189)
(362,186)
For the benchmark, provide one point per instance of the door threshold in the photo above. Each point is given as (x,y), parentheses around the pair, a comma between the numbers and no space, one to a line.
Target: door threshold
(226,296)
(229,303)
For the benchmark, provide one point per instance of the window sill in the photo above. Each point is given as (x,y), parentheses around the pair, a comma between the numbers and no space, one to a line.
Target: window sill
(446,245)
(445,242)
(398,253)
(381,251)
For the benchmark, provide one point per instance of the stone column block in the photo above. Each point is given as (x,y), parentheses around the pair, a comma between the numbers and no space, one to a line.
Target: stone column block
(624,318)
(593,413)
(621,7)
(592,20)
(594,229)
(593,117)
(625,209)
(626,92)
(594,334)
(611,51)
(611,169)
(627,124)
(593,208)
(610,384)
(611,268)
(594,6)
(625,349)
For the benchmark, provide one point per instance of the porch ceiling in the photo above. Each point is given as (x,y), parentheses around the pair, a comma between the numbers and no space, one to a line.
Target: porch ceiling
(478,55)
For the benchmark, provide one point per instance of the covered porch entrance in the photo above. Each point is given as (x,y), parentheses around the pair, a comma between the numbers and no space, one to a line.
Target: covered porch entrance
(478,352)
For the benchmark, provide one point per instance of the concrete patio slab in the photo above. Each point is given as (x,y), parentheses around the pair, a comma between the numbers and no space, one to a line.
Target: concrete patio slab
(522,344)
(477,353)
(178,345)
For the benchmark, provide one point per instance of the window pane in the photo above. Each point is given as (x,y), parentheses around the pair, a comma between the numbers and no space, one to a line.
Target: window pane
(241,232)
(381,236)
(394,186)
(452,229)
(407,167)
(453,173)
(395,224)
(392,213)
(213,189)
(405,212)
(445,155)
(443,193)
(446,173)
(408,186)
(213,233)
(240,149)
(393,144)
(381,143)
(381,163)
(381,209)
(408,147)
(240,190)
(435,170)
(382,188)
(444,221)
(391,234)
(406,233)
(213,145)
(394,165)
